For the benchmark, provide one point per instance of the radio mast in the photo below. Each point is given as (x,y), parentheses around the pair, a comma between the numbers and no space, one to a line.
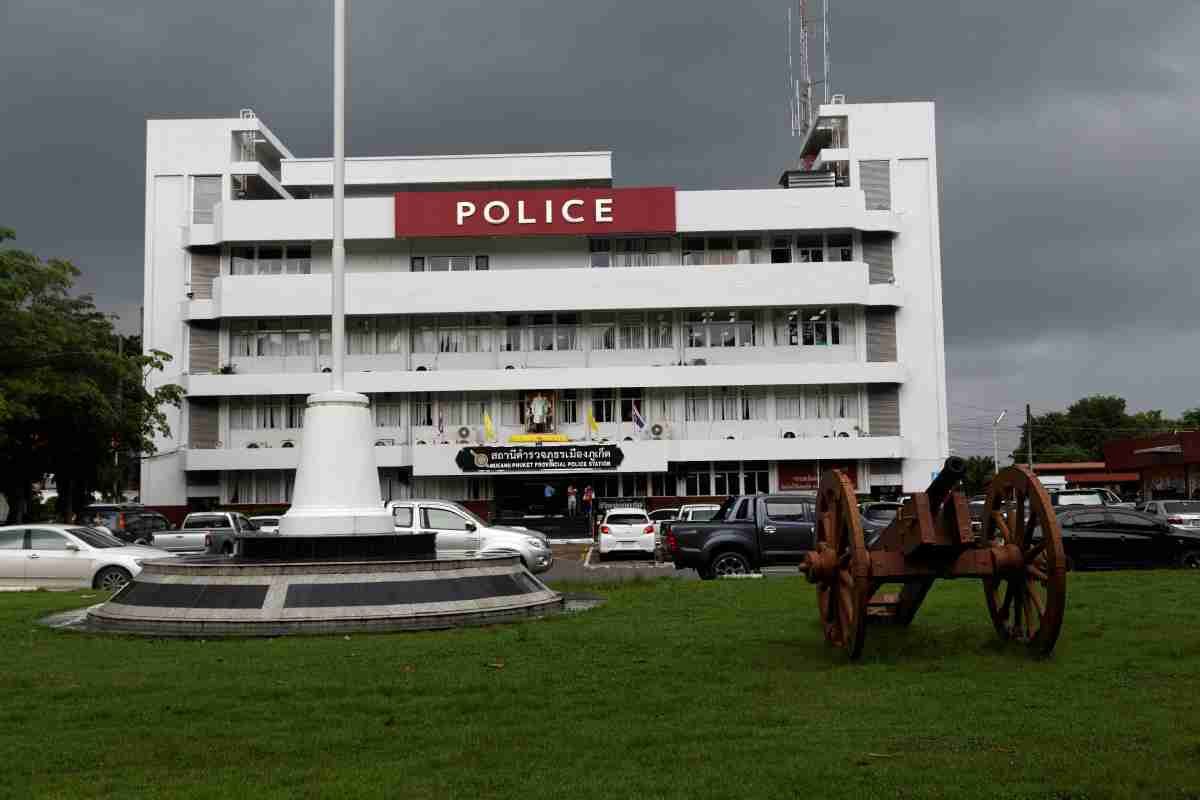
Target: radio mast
(802,111)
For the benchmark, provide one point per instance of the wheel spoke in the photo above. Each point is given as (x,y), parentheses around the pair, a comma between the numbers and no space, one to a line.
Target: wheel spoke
(1032,594)
(1008,598)
(1001,525)
(1036,572)
(1038,547)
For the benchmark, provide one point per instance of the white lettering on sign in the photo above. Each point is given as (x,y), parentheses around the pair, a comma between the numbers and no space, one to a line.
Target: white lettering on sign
(504,212)
(567,215)
(462,210)
(498,212)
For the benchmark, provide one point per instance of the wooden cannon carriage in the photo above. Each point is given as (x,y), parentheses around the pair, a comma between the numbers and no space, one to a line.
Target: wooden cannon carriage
(1018,554)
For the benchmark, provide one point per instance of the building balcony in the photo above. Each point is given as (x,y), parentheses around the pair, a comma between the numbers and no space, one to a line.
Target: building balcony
(566,289)
(772,373)
(639,456)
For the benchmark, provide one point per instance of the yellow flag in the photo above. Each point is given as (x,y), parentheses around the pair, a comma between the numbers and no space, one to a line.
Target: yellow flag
(488,430)
(592,422)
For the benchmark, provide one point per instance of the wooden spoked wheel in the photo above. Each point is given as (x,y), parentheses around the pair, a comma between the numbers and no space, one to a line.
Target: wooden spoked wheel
(1027,597)
(840,565)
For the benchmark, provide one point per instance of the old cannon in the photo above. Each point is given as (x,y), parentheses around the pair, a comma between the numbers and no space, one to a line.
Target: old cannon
(1018,554)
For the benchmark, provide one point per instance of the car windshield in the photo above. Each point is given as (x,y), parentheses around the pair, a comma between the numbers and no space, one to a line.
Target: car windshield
(627,519)
(1080,500)
(96,538)
(1184,507)
(881,513)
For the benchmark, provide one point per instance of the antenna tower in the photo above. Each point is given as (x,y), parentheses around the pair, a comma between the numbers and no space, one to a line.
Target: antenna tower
(802,111)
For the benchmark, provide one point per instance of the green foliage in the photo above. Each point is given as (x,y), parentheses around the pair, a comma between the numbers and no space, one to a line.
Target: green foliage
(1191,419)
(70,399)
(672,689)
(1079,434)
(980,470)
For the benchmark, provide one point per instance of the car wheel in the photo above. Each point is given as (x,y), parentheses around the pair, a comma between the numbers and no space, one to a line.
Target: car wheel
(1190,560)
(112,579)
(729,562)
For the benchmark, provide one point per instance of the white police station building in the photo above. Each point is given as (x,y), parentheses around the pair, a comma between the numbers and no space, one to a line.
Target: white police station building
(522,321)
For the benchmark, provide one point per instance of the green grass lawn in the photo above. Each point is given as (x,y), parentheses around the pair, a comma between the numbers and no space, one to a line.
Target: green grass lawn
(680,689)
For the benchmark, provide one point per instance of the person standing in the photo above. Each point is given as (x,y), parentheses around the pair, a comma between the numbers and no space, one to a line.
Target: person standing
(572,500)
(589,497)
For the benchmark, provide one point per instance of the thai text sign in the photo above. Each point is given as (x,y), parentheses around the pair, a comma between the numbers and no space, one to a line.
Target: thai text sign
(537,458)
(536,212)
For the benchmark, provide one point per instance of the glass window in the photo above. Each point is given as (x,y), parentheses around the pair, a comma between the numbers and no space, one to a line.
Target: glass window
(810,248)
(295,411)
(781,250)
(402,516)
(695,405)
(841,247)
(388,411)
(565,331)
(693,250)
(663,484)
(633,331)
(789,405)
(442,520)
(630,399)
(422,410)
(568,406)
(206,193)
(268,338)
(241,260)
(698,480)
(270,413)
(12,539)
(604,331)
(416,264)
(241,414)
(389,335)
(424,335)
(298,338)
(659,327)
(42,539)
(816,405)
(299,259)
(360,336)
(270,260)
(601,252)
(743,510)
(543,332)
(482,264)
(324,338)
(755,477)
(726,478)
(789,510)
(603,405)
(241,338)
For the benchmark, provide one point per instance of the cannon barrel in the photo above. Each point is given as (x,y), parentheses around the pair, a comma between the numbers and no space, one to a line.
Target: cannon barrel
(951,474)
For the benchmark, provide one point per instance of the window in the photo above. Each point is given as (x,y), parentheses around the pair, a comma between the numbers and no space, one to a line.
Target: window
(568,406)
(422,410)
(658,407)
(604,331)
(388,411)
(241,338)
(630,399)
(299,260)
(389,335)
(720,251)
(324,338)
(789,404)
(662,484)
(268,338)
(695,405)
(511,342)
(442,520)
(424,335)
(298,338)
(416,264)
(474,407)
(565,327)
(840,246)
(697,480)
(633,331)
(1087,519)
(816,402)
(603,405)
(727,478)
(270,260)
(809,327)
(749,249)
(658,327)
(448,263)
(402,516)
(450,410)
(295,411)
(755,477)
(601,252)
(1134,524)
(789,510)
(693,250)
(241,260)
(241,415)
(781,250)
(360,335)
(482,264)
(206,193)
(743,510)
(12,540)
(810,248)
(723,328)
(271,413)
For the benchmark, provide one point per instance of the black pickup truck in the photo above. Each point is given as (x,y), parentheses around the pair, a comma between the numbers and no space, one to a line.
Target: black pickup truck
(746,534)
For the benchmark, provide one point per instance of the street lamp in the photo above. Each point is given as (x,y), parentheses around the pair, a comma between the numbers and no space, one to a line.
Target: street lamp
(995,445)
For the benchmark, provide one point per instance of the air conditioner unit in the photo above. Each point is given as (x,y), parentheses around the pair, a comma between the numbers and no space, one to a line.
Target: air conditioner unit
(789,434)
(385,442)
(252,446)
(699,362)
(660,430)
(420,441)
(730,436)
(288,443)
(464,434)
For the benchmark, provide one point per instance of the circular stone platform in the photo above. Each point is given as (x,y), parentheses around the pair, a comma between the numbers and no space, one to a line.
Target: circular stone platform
(217,596)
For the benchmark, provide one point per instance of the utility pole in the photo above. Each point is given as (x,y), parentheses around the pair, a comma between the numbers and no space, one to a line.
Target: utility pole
(995,443)
(1029,436)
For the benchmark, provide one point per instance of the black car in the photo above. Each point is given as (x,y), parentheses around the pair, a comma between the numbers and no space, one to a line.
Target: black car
(1106,537)
(877,516)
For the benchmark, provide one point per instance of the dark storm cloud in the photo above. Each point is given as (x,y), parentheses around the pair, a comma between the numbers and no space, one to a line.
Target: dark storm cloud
(1066,138)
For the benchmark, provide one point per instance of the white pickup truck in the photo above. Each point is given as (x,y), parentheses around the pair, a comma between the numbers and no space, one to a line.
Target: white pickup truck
(461,534)
(206,531)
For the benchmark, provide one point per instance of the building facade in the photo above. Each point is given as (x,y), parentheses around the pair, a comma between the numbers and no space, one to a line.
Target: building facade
(654,343)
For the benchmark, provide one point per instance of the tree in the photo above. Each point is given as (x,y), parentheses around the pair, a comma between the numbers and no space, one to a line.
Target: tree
(1079,434)
(979,472)
(69,398)
(1191,419)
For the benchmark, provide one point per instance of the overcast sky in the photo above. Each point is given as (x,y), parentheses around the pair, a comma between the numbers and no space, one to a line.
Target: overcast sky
(1067,139)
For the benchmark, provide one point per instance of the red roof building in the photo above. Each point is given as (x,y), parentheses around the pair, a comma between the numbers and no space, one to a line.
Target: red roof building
(1168,464)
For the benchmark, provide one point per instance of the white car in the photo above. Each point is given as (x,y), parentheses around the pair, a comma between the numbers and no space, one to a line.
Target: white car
(626,530)
(69,556)
(1180,513)
(698,512)
(266,524)
(461,534)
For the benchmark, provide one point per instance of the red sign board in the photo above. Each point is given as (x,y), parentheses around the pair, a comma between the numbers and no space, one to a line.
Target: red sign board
(536,212)
(799,475)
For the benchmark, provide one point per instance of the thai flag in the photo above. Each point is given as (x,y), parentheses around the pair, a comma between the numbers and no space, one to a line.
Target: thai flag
(639,421)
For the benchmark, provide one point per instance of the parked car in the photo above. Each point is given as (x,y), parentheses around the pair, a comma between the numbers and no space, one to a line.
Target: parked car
(205,532)
(1078,497)
(626,530)
(1104,537)
(461,534)
(878,515)
(698,512)
(68,556)
(975,510)
(748,533)
(266,524)
(1180,513)
(112,517)
(140,527)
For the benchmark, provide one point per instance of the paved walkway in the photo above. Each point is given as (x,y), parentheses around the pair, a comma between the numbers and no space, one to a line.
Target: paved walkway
(571,563)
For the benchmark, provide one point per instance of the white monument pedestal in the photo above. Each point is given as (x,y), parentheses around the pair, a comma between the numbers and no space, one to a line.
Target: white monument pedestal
(336,492)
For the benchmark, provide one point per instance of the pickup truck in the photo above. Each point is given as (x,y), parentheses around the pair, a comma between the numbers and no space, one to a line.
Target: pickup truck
(748,533)
(208,531)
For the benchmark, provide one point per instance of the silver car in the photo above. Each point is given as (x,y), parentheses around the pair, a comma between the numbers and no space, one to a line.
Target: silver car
(1180,513)
(68,557)
(461,534)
